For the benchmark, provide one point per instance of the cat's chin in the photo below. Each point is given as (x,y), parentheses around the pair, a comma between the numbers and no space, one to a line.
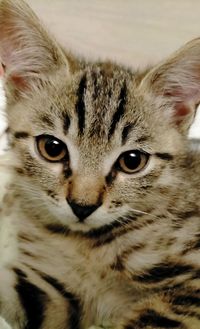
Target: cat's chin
(81,227)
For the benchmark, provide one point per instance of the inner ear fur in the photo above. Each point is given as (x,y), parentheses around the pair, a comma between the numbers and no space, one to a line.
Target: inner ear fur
(27,51)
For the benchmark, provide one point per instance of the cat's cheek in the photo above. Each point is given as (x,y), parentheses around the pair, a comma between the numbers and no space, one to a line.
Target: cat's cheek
(62,213)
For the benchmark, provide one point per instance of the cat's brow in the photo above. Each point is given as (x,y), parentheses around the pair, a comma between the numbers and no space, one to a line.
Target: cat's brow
(126,131)
(47,120)
(21,134)
(164,156)
(80,104)
(142,139)
(119,111)
(66,123)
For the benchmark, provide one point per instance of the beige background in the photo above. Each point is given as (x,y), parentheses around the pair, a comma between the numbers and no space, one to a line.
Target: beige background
(134,32)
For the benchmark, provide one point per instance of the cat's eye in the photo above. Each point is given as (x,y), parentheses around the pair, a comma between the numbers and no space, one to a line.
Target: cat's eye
(51,148)
(132,162)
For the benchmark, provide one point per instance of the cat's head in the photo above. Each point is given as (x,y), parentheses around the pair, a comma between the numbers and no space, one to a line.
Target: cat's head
(95,144)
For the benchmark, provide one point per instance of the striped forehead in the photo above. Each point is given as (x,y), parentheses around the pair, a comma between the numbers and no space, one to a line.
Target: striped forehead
(101,102)
(98,104)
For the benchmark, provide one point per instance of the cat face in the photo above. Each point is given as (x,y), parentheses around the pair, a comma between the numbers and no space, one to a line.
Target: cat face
(94,144)
(91,149)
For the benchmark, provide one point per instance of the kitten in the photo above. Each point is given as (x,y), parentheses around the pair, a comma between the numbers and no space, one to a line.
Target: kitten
(100,222)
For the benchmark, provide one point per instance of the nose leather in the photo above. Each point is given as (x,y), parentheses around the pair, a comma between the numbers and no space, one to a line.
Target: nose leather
(81,211)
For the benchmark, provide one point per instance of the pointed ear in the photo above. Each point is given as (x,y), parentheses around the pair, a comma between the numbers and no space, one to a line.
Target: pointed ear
(26,49)
(175,83)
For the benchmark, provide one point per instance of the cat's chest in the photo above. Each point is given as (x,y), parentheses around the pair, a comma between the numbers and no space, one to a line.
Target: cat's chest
(8,228)
(82,271)
(86,273)
(70,260)
(26,245)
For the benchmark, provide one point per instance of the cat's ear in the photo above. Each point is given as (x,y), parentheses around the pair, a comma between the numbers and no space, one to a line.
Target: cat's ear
(26,49)
(175,83)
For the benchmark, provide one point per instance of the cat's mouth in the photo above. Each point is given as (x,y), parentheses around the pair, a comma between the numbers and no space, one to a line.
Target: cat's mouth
(87,219)
(91,222)
(81,227)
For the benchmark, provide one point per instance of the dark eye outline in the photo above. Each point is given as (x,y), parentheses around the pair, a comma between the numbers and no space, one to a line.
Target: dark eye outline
(144,161)
(40,143)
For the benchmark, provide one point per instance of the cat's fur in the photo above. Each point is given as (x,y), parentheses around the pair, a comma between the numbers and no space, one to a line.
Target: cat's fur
(135,261)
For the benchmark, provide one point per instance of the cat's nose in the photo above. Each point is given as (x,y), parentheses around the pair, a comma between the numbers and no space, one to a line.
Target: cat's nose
(82,211)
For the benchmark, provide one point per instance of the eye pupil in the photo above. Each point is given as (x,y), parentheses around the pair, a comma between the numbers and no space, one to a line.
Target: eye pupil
(132,160)
(53,147)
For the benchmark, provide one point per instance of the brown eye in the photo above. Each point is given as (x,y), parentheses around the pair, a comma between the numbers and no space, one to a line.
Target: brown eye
(51,148)
(132,161)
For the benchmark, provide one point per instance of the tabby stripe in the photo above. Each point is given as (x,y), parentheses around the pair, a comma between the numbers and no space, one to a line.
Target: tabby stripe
(115,231)
(66,124)
(21,135)
(142,139)
(119,265)
(46,119)
(95,85)
(19,171)
(94,234)
(196,274)
(80,105)
(58,229)
(111,176)
(164,156)
(20,273)
(126,131)
(101,231)
(30,165)
(163,272)
(188,214)
(195,245)
(67,170)
(100,236)
(120,110)
(27,238)
(155,320)
(186,313)
(75,310)
(187,300)
(33,300)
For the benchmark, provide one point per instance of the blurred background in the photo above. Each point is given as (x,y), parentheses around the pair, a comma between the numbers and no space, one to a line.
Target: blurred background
(133,32)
